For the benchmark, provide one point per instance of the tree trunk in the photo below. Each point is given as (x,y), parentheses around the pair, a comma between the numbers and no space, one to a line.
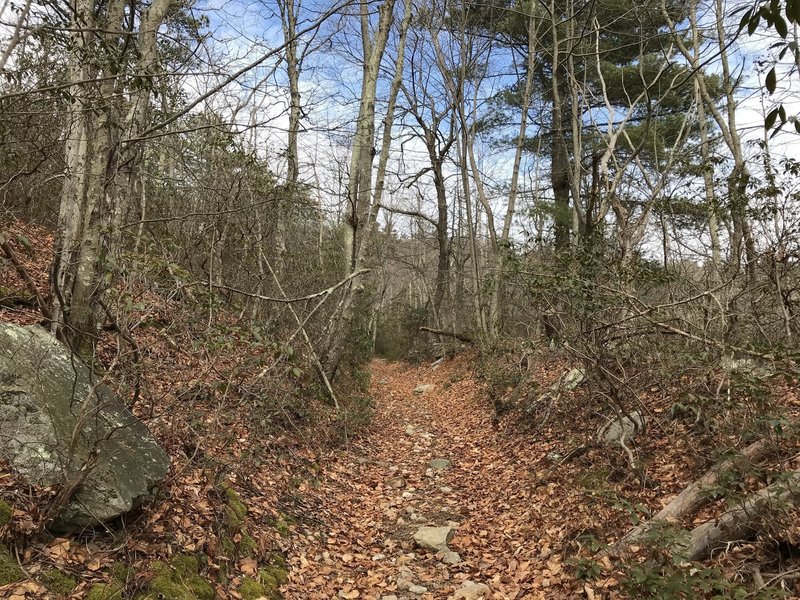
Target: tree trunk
(359,240)
(94,193)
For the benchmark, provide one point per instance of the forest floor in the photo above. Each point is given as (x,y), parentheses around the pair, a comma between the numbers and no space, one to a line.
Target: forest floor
(512,526)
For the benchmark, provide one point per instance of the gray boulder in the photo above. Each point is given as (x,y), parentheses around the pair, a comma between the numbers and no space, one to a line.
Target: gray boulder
(55,419)
(626,428)
(423,388)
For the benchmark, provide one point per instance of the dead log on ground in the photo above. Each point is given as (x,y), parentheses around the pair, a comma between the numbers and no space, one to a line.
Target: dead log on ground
(693,497)
(745,519)
(459,336)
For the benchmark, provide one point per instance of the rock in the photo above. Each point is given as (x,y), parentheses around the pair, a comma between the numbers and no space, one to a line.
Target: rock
(396,483)
(405,578)
(446,489)
(449,557)
(566,383)
(423,388)
(440,464)
(407,495)
(410,430)
(627,427)
(418,589)
(759,369)
(434,538)
(472,591)
(362,460)
(45,395)
(571,380)
(389,597)
(378,557)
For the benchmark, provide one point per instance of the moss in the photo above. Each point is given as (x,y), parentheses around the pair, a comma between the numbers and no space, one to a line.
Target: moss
(252,589)
(228,546)
(593,479)
(104,591)
(179,580)
(5,513)
(268,584)
(281,525)
(235,509)
(248,546)
(121,573)
(9,569)
(58,582)
(276,572)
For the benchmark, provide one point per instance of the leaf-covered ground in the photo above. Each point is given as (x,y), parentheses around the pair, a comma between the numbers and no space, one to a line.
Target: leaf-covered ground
(512,526)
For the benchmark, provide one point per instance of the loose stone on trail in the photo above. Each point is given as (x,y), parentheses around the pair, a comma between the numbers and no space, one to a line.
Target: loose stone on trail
(440,464)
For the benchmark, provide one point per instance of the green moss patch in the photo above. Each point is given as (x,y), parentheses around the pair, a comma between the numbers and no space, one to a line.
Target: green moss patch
(235,509)
(105,591)
(58,582)
(270,579)
(281,525)
(9,569)
(234,538)
(114,589)
(5,513)
(179,579)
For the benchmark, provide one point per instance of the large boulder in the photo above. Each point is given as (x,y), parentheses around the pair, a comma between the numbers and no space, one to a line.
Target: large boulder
(56,419)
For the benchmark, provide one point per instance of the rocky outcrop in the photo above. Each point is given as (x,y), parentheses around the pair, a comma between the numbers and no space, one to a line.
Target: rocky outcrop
(59,425)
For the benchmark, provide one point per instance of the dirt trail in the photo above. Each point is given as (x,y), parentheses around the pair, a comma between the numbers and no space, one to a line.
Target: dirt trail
(489,493)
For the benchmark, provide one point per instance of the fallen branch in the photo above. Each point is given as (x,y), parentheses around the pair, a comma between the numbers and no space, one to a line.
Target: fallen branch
(694,496)
(744,520)
(29,283)
(459,336)
(286,299)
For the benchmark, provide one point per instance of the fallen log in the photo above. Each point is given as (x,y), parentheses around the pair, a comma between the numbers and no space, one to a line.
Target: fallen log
(459,336)
(694,496)
(744,520)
